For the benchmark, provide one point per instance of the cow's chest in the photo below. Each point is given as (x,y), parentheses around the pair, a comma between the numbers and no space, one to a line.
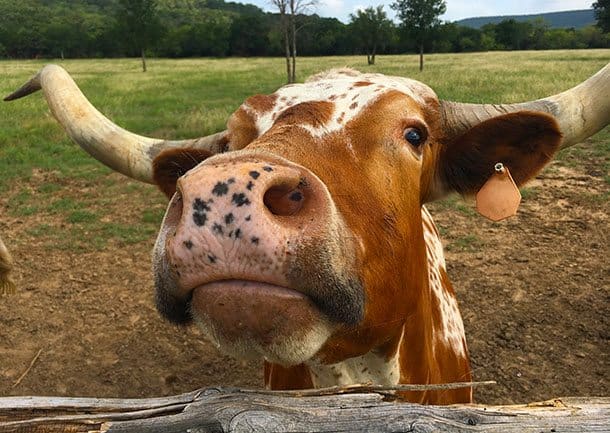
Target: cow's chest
(368,368)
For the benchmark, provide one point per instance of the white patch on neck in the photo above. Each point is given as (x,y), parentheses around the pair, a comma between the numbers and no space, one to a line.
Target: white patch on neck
(368,368)
(338,87)
(452,328)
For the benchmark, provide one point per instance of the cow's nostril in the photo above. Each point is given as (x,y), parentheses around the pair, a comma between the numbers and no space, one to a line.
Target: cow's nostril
(284,200)
(174,210)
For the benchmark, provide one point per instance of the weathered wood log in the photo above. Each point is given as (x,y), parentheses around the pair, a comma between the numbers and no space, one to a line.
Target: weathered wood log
(234,410)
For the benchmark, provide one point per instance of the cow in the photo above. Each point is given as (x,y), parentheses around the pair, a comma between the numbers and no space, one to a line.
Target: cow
(7,284)
(299,235)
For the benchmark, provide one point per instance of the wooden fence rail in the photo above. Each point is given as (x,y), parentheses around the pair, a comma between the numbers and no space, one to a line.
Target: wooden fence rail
(216,410)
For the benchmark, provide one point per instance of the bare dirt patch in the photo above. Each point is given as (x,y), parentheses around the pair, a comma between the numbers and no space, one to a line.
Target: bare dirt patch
(533,292)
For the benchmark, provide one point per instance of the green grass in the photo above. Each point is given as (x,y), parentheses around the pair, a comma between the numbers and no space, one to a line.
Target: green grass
(64,205)
(468,243)
(152,216)
(455,202)
(83,235)
(40,230)
(528,193)
(82,216)
(194,97)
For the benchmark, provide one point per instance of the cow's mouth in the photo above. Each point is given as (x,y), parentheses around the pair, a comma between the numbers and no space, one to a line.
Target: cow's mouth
(254,319)
(285,321)
(242,307)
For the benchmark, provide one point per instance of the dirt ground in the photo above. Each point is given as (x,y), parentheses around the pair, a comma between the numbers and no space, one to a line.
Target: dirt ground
(534,294)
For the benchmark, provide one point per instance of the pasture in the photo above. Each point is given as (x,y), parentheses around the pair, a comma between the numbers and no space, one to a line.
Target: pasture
(533,290)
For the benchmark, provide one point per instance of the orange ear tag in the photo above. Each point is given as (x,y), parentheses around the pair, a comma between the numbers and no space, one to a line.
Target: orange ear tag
(499,198)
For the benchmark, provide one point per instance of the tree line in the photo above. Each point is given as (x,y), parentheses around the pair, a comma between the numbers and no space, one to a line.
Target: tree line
(195,28)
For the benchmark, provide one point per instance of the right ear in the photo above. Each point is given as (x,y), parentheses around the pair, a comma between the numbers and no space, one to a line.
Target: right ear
(523,141)
(170,164)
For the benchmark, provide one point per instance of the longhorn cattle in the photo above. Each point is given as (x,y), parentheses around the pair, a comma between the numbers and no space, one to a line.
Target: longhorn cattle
(299,235)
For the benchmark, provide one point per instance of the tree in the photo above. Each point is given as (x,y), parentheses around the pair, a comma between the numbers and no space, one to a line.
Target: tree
(249,36)
(419,17)
(594,37)
(513,34)
(289,12)
(297,7)
(21,28)
(324,37)
(371,28)
(538,29)
(282,6)
(602,14)
(139,23)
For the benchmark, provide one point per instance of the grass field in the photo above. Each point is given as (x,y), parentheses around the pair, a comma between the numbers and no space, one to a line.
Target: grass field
(193,97)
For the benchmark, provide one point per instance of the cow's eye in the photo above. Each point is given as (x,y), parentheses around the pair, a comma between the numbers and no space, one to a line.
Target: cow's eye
(414,136)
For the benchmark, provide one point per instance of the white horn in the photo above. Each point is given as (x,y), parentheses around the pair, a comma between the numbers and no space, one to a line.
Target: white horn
(580,111)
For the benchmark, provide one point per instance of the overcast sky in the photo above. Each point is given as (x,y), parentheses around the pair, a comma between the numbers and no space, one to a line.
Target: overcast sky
(456,9)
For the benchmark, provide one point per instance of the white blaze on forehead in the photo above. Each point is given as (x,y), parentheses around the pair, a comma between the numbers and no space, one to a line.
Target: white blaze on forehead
(345,88)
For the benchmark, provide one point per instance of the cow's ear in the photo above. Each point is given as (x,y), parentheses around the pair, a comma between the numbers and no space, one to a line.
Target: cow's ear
(523,141)
(170,164)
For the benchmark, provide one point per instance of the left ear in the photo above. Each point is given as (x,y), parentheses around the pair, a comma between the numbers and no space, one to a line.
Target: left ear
(170,164)
(524,141)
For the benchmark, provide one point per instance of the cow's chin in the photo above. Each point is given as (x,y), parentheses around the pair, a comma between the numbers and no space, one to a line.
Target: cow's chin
(253,320)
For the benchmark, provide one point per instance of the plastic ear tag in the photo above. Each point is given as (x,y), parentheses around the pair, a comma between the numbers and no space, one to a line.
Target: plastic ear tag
(499,198)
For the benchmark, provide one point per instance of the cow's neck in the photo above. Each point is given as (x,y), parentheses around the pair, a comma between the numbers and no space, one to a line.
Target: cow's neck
(430,349)
(373,367)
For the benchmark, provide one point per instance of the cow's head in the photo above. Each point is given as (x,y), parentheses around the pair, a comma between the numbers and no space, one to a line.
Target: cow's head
(305,239)
(296,234)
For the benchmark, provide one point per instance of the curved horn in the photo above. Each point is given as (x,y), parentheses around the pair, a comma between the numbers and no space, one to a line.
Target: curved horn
(580,111)
(121,150)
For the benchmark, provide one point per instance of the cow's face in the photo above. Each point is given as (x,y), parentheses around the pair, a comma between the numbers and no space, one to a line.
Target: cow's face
(305,240)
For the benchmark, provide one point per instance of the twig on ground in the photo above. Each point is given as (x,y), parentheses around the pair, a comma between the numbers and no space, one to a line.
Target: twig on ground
(78,280)
(25,373)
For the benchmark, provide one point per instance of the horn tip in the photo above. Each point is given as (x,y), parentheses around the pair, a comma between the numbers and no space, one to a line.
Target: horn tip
(23,91)
(11,97)
(33,85)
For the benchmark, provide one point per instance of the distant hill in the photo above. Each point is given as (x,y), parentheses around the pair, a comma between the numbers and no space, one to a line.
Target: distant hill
(566,19)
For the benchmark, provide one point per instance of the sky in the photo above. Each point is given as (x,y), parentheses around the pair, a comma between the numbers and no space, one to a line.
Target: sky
(456,9)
